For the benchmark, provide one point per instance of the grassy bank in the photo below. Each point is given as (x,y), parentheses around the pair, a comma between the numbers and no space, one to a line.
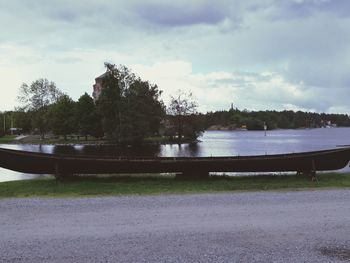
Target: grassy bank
(7,139)
(141,185)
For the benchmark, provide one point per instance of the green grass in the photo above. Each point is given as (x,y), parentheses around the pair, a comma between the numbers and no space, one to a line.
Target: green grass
(7,138)
(150,185)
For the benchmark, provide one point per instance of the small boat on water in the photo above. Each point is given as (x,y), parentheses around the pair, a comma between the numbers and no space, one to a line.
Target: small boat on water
(67,165)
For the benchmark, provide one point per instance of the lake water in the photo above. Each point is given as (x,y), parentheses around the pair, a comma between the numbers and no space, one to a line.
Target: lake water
(213,143)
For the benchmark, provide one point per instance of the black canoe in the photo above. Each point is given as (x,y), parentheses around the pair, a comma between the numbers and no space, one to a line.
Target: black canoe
(41,163)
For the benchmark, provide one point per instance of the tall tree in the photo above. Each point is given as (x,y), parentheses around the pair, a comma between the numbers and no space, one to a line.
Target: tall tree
(144,110)
(23,120)
(37,98)
(62,116)
(39,94)
(130,108)
(183,111)
(87,117)
(111,101)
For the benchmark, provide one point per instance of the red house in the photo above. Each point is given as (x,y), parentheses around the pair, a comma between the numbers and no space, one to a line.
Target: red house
(98,86)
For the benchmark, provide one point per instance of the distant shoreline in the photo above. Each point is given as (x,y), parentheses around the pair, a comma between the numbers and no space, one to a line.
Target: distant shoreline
(225,128)
(234,128)
(80,140)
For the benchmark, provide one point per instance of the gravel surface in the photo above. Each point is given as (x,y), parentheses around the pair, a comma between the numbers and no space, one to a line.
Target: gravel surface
(310,226)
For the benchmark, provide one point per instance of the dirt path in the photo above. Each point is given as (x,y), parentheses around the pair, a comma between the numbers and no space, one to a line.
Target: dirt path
(309,226)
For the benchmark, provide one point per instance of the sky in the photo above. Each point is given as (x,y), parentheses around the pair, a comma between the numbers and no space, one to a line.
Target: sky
(256,54)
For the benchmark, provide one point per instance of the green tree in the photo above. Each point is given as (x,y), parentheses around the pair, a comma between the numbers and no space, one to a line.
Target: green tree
(144,111)
(285,119)
(111,101)
(5,120)
(182,110)
(130,107)
(37,97)
(62,116)
(23,120)
(87,118)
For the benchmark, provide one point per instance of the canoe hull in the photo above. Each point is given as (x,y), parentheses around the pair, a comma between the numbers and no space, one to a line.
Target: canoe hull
(40,163)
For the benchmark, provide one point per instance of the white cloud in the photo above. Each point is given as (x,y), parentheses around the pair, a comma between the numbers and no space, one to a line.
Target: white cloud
(339,109)
(217,90)
(293,107)
(258,54)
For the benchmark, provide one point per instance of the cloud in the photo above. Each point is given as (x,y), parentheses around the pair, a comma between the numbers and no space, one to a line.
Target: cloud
(173,14)
(302,8)
(257,53)
(217,90)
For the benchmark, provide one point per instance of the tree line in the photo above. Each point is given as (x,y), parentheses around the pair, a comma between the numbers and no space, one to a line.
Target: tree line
(255,120)
(129,110)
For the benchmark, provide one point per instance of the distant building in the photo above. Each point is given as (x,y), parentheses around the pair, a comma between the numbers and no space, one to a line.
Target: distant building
(98,86)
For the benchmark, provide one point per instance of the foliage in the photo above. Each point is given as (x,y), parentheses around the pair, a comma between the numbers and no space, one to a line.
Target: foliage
(144,110)
(254,120)
(40,93)
(37,98)
(130,107)
(183,119)
(9,119)
(87,117)
(5,123)
(62,116)
(129,110)
(40,120)
(23,120)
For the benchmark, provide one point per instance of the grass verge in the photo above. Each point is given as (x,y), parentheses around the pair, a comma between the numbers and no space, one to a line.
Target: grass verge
(7,138)
(149,185)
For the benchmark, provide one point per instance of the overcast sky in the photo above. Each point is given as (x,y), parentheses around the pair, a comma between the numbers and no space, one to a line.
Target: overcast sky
(256,54)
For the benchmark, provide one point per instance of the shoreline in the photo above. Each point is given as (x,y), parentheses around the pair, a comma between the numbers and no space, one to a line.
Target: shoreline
(72,140)
(36,140)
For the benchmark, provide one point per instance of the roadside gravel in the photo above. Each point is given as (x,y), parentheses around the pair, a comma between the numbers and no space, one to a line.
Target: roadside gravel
(308,226)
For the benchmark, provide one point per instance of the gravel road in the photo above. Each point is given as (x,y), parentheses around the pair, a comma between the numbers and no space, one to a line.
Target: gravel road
(310,226)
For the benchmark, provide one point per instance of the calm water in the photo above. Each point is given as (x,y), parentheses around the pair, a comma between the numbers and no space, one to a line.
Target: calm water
(214,143)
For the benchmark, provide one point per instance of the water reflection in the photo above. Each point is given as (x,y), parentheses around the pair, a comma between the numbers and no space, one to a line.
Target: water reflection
(181,150)
(107,150)
(213,143)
